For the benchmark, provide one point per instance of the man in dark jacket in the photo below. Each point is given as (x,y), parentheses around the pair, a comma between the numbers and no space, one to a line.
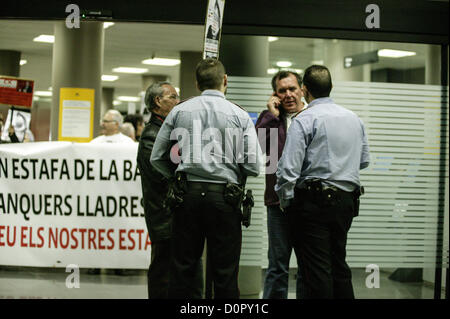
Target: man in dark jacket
(282,106)
(160,99)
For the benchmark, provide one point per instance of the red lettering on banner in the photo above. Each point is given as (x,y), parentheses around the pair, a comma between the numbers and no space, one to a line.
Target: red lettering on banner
(82,231)
(147,242)
(91,233)
(75,245)
(1,235)
(110,239)
(131,239)
(69,238)
(121,238)
(40,229)
(13,242)
(128,238)
(100,239)
(31,238)
(53,237)
(26,237)
(63,244)
(23,236)
(140,231)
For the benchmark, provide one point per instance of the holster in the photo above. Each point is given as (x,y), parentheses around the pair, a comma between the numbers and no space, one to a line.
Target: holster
(176,191)
(247,205)
(330,195)
(234,195)
(356,195)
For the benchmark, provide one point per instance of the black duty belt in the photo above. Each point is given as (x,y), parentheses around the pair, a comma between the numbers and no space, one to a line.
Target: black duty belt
(328,191)
(205,186)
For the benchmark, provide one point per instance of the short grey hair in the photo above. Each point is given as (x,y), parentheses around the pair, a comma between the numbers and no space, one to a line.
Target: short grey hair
(116,116)
(128,129)
(154,90)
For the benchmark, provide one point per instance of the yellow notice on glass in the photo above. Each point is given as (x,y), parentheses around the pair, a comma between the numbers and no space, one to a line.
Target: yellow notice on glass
(76,114)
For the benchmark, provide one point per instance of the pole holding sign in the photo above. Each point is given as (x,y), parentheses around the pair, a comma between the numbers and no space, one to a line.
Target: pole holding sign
(213,28)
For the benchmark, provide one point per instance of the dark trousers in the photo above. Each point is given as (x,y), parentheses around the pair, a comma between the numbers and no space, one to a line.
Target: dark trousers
(205,215)
(158,272)
(318,229)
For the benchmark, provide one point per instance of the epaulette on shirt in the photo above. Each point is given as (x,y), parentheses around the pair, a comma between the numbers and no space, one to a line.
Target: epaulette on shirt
(299,112)
(237,105)
(227,100)
(295,115)
(187,99)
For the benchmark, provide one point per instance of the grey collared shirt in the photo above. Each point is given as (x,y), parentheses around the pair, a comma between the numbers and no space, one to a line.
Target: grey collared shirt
(217,141)
(325,141)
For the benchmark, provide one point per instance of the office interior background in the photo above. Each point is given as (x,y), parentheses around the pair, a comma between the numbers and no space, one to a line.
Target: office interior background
(400,94)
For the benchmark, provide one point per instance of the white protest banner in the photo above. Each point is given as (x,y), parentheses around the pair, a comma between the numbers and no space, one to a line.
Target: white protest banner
(213,27)
(67,203)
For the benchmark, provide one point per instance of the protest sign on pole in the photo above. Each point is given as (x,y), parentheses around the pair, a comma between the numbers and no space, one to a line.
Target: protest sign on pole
(20,120)
(16,92)
(213,28)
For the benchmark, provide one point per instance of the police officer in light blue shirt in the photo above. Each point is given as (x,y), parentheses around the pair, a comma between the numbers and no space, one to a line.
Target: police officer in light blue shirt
(318,185)
(219,148)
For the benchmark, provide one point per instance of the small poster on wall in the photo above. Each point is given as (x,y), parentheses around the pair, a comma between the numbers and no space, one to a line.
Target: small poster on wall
(76,114)
(213,28)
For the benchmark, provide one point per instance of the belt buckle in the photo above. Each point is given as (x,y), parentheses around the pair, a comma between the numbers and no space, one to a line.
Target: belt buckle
(330,187)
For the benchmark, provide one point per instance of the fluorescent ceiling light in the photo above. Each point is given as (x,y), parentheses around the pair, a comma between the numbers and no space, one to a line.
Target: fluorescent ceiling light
(109,78)
(130,70)
(177,90)
(115,102)
(272,71)
(284,64)
(162,62)
(317,62)
(106,25)
(298,71)
(43,93)
(22,62)
(271,39)
(128,98)
(388,53)
(45,38)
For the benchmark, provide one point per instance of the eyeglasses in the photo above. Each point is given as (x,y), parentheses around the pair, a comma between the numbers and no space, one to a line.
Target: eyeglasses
(172,96)
(107,121)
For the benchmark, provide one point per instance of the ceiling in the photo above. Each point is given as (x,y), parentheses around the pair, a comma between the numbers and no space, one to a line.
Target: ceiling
(127,44)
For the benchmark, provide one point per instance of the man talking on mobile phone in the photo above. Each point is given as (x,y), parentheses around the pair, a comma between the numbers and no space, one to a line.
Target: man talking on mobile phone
(284,104)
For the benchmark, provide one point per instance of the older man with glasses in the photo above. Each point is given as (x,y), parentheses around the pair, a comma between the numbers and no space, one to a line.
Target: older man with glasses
(110,125)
